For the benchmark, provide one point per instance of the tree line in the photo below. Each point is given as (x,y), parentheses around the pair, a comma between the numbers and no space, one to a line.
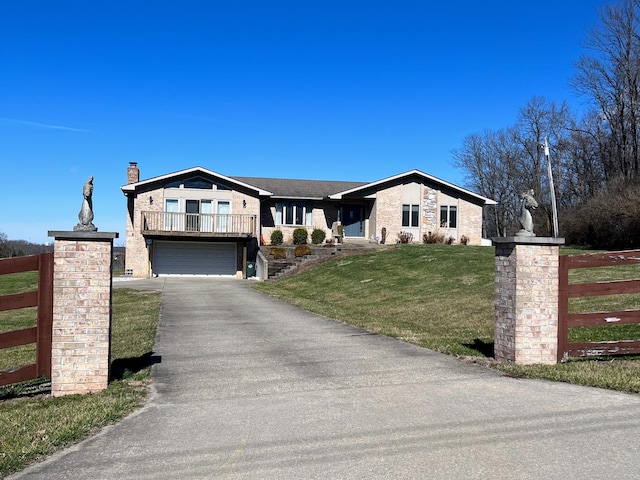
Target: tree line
(20,248)
(595,157)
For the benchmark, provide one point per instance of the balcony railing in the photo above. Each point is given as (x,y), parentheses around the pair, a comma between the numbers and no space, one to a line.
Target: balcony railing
(198,224)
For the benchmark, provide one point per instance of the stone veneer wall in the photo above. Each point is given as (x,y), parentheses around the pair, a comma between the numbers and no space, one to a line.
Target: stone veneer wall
(429,210)
(470,222)
(526,299)
(81,337)
(389,212)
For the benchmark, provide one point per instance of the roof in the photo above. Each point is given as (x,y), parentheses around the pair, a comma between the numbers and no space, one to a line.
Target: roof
(431,178)
(306,189)
(132,187)
(292,188)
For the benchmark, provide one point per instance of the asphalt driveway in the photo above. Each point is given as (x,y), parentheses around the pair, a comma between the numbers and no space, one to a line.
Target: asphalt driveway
(249,387)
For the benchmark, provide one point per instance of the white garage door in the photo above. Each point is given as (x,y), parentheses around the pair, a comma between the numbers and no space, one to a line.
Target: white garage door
(194,258)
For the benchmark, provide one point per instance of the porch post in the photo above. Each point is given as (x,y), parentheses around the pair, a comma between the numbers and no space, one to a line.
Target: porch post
(81,340)
(526,299)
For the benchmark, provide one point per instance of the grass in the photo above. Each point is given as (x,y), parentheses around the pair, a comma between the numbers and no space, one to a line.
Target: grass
(426,295)
(442,297)
(35,427)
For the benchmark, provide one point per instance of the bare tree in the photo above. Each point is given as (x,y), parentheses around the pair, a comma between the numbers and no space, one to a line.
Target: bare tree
(490,162)
(504,163)
(610,78)
(541,120)
(3,244)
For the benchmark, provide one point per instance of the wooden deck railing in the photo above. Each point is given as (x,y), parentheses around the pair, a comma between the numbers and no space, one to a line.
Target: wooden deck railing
(199,224)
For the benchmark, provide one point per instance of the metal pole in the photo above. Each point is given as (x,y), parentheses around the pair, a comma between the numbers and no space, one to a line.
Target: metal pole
(551,187)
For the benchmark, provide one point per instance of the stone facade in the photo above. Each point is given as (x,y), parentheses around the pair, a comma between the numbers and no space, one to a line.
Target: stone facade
(526,300)
(470,222)
(81,337)
(388,212)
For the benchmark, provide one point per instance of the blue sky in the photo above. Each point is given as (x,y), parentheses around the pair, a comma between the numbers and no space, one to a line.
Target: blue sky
(349,90)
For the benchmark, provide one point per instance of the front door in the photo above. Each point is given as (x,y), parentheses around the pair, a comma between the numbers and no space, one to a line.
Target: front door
(193,215)
(353,220)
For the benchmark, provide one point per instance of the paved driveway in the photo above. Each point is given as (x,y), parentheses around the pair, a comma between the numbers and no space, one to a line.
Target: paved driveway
(252,388)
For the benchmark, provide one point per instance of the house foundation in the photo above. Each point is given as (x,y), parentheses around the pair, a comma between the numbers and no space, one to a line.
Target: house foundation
(526,299)
(81,339)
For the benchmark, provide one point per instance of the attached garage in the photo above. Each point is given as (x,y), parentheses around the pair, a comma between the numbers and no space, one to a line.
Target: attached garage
(194,258)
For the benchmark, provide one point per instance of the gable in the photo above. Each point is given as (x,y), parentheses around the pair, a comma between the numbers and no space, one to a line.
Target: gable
(413,176)
(196,177)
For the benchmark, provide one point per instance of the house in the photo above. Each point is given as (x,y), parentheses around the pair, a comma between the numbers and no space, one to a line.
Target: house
(200,222)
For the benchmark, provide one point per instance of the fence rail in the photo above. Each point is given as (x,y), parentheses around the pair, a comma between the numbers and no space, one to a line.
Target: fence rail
(199,224)
(41,333)
(568,320)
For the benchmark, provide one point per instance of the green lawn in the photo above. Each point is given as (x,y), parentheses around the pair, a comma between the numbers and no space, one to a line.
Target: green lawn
(34,427)
(442,297)
(436,296)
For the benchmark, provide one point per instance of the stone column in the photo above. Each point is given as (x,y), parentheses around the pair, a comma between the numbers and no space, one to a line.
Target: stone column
(526,309)
(81,340)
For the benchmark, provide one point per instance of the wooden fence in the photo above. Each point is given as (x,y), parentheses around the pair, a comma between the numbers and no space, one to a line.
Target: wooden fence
(40,334)
(568,320)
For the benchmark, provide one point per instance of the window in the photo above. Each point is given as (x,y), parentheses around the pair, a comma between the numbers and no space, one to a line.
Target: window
(448,216)
(289,213)
(192,182)
(171,217)
(410,215)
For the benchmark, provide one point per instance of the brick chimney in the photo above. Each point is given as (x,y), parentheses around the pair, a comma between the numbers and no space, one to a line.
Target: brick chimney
(133,174)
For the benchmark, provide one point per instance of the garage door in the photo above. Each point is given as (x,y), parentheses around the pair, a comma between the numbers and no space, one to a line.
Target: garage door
(194,258)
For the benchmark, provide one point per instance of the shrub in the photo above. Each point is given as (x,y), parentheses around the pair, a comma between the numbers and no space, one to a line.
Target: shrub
(276,237)
(405,237)
(448,240)
(278,253)
(300,236)
(302,250)
(317,236)
(431,237)
(464,240)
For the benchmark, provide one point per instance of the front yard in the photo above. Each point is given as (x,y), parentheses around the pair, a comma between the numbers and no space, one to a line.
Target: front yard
(442,297)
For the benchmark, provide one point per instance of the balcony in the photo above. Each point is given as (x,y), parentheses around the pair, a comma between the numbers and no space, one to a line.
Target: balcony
(198,224)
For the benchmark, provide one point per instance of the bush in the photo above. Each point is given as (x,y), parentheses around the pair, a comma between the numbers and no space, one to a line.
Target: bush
(464,240)
(278,253)
(431,237)
(276,237)
(405,237)
(317,236)
(302,250)
(609,220)
(300,236)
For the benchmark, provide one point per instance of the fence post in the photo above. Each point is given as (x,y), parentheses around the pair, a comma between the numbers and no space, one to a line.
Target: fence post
(81,339)
(45,314)
(526,299)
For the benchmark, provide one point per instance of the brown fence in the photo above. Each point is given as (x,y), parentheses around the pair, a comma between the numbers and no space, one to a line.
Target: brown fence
(40,334)
(568,320)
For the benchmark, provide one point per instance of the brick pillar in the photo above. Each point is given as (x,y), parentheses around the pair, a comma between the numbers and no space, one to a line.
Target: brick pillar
(526,309)
(81,340)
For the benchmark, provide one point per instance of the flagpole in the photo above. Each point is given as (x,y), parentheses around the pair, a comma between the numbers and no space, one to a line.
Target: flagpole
(551,187)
